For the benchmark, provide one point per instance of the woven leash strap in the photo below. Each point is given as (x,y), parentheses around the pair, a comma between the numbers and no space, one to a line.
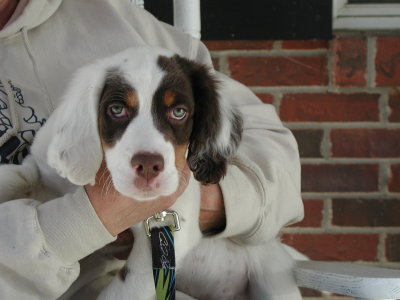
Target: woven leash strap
(163,254)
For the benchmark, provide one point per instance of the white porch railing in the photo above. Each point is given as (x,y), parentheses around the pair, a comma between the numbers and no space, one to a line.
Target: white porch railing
(186,16)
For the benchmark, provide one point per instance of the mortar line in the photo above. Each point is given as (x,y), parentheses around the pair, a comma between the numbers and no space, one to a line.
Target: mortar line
(271,53)
(384,110)
(341,230)
(224,66)
(341,125)
(328,214)
(277,45)
(381,251)
(346,160)
(326,89)
(277,102)
(330,63)
(384,171)
(325,146)
(352,195)
(371,53)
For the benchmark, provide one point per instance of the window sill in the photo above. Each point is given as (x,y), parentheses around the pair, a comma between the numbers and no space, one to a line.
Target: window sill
(365,17)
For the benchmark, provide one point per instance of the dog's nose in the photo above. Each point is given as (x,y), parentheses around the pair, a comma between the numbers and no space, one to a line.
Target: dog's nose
(147,165)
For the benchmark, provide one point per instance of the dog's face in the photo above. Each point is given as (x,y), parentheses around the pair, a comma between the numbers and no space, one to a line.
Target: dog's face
(145,123)
(147,113)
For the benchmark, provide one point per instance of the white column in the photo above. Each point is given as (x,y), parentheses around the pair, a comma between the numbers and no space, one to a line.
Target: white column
(139,3)
(187,16)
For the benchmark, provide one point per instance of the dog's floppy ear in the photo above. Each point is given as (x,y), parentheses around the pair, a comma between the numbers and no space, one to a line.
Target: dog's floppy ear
(217,126)
(75,149)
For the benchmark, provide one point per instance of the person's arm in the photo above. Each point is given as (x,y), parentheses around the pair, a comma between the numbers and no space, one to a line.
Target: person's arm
(261,190)
(40,244)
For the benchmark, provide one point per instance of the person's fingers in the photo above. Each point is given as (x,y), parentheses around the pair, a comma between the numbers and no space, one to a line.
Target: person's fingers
(212,208)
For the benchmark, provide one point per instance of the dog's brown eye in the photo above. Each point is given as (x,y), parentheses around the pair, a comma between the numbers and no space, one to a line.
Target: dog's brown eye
(118,111)
(178,113)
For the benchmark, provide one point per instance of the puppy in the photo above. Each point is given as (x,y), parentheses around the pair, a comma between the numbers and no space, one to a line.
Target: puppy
(146,112)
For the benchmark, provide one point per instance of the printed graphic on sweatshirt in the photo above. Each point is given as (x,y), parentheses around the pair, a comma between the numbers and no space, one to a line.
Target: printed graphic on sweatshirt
(15,148)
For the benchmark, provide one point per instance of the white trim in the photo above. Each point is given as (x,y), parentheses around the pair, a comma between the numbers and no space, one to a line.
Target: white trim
(139,3)
(365,16)
(187,15)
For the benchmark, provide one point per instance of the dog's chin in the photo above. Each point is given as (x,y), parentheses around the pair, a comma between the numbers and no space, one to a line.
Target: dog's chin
(132,186)
(147,193)
(148,196)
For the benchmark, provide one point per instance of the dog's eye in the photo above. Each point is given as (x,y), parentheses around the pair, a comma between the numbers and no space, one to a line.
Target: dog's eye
(118,111)
(178,113)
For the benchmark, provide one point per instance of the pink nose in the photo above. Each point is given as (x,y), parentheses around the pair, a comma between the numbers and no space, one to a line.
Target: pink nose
(147,165)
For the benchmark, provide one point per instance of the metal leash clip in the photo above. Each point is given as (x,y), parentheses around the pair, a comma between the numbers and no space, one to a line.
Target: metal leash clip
(160,217)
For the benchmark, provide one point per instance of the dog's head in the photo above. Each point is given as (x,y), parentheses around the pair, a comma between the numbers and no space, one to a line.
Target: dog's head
(146,112)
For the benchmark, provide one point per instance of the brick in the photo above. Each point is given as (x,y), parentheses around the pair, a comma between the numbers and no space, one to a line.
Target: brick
(280,71)
(313,213)
(340,178)
(387,61)
(392,244)
(266,98)
(330,107)
(394,105)
(366,212)
(335,247)
(309,141)
(383,143)
(239,45)
(349,61)
(394,178)
(305,44)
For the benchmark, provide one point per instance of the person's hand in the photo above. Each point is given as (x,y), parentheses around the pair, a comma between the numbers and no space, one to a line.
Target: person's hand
(118,212)
(212,209)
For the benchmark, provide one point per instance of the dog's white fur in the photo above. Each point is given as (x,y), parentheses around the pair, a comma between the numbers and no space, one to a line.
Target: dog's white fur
(67,152)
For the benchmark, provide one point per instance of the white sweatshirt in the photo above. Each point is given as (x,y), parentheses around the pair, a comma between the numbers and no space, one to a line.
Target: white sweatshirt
(49,250)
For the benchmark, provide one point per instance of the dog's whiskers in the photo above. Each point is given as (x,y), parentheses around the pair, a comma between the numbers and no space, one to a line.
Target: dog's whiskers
(106,185)
(103,173)
(183,179)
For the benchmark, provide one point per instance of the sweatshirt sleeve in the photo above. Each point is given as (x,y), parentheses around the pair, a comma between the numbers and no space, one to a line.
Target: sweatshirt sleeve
(262,189)
(41,244)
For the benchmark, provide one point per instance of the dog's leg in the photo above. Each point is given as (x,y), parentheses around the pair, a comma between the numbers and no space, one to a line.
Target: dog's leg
(271,277)
(216,270)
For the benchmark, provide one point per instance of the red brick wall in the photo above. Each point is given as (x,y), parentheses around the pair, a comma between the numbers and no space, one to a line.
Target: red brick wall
(342,101)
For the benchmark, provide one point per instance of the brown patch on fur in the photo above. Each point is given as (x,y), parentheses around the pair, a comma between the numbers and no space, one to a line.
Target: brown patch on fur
(131,99)
(104,145)
(115,90)
(123,273)
(169,98)
(180,159)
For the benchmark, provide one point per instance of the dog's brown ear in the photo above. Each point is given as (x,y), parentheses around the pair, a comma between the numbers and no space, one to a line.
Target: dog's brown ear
(217,126)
